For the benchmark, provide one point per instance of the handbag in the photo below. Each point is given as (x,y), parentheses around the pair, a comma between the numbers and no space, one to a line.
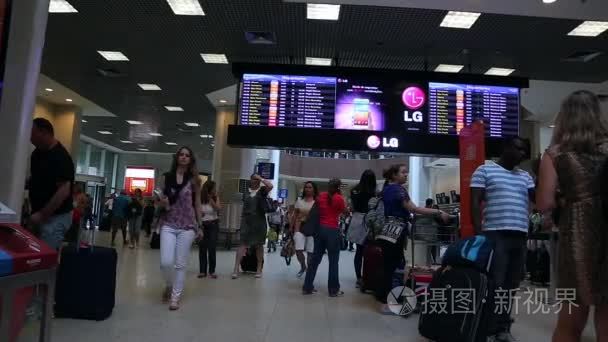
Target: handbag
(288,250)
(311,226)
(392,229)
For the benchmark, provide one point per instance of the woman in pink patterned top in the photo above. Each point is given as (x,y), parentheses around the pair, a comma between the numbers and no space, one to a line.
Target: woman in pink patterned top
(180,222)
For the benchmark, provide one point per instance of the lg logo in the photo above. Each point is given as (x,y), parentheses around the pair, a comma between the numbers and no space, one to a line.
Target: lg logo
(414,117)
(373,142)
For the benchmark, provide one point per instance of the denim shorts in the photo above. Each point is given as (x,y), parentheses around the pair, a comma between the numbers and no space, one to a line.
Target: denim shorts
(53,231)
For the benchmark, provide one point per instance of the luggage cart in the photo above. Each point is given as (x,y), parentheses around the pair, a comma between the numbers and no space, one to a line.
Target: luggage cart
(434,238)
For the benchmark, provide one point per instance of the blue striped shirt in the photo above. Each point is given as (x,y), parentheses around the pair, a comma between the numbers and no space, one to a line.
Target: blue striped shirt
(507,199)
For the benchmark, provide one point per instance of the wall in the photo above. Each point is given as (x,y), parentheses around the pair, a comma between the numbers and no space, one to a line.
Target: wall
(65,120)
(444,180)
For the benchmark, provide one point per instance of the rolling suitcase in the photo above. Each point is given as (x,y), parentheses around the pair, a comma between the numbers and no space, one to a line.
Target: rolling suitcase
(86,282)
(249,263)
(373,266)
(460,300)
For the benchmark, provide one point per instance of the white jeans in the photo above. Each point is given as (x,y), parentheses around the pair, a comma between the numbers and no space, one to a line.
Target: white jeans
(175,245)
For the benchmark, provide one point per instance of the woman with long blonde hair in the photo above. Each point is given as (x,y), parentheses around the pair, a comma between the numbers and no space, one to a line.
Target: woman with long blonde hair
(576,165)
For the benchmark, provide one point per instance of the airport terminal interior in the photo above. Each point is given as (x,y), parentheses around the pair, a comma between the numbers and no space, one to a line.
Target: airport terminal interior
(230,95)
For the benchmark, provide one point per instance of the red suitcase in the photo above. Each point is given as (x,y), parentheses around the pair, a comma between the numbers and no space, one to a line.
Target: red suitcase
(373,266)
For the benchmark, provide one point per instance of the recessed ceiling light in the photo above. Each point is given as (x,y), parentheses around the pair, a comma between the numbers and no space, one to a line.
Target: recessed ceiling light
(449,68)
(549,1)
(214,58)
(126,141)
(204,136)
(174,109)
(551,126)
(191,124)
(104,132)
(589,29)
(149,86)
(84,121)
(186,7)
(143,149)
(68,100)
(223,101)
(318,61)
(61,6)
(322,11)
(113,55)
(134,122)
(155,134)
(170,143)
(462,20)
(499,71)
(48,89)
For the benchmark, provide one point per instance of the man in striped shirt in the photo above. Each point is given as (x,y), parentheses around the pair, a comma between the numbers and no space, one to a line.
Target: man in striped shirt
(505,191)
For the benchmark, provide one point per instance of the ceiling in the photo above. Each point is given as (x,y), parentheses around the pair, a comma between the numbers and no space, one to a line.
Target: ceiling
(165,49)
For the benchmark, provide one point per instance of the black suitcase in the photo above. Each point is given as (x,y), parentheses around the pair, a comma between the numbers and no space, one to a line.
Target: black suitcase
(249,263)
(155,241)
(86,282)
(459,320)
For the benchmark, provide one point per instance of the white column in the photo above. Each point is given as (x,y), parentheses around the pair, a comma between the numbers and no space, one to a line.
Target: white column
(249,157)
(87,159)
(22,69)
(114,171)
(419,181)
(102,164)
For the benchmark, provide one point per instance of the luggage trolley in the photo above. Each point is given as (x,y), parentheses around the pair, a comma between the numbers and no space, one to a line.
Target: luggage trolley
(433,238)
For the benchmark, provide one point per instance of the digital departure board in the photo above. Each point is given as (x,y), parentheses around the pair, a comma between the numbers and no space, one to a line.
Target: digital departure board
(362,109)
(288,101)
(454,106)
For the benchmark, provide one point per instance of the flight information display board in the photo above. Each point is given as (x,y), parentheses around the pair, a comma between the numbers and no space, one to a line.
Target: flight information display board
(454,106)
(376,105)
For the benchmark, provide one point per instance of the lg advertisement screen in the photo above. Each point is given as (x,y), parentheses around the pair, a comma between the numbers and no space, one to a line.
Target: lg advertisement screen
(369,111)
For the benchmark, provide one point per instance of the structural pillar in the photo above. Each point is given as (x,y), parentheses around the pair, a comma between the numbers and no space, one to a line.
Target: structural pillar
(419,180)
(26,33)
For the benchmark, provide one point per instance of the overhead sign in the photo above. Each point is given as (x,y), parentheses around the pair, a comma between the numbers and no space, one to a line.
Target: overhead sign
(266,170)
(283,193)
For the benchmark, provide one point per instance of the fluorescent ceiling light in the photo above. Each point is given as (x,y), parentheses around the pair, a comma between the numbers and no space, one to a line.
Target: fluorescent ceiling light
(84,121)
(590,29)
(449,68)
(205,136)
(134,122)
(68,100)
(318,61)
(61,6)
(186,7)
(322,11)
(143,149)
(549,1)
(126,141)
(170,143)
(113,55)
(148,86)
(214,58)
(223,101)
(191,124)
(174,109)
(155,134)
(499,71)
(104,132)
(48,89)
(462,20)
(551,126)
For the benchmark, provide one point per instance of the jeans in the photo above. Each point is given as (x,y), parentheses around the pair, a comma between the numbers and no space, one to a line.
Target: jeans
(207,246)
(392,254)
(175,247)
(359,260)
(507,270)
(53,230)
(134,229)
(119,223)
(326,239)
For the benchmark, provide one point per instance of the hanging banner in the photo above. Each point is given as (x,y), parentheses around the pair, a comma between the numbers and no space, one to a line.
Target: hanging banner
(472,155)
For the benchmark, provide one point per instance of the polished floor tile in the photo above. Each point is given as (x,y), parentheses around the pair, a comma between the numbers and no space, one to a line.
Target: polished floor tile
(270,309)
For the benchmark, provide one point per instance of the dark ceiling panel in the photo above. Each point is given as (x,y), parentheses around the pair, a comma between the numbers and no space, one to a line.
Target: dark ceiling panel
(165,49)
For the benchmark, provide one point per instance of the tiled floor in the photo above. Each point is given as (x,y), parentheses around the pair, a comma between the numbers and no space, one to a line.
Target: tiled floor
(270,309)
